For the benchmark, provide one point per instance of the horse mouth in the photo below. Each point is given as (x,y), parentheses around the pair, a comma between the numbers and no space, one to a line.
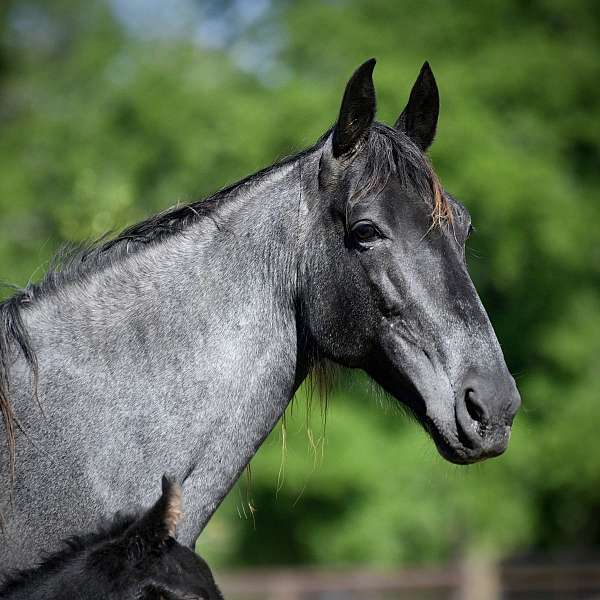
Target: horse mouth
(422,385)
(458,447)
(451,443)
(455,438)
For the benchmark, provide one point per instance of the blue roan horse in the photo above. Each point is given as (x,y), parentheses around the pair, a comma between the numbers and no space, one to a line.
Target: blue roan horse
(176,346)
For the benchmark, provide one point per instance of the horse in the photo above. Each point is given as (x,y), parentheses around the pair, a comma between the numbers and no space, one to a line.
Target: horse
(135,557)
(177,345)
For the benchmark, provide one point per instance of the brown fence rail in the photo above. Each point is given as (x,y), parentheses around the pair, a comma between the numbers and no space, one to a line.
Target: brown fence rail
(469,581)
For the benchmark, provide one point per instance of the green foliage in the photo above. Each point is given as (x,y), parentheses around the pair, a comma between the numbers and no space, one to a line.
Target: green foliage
(101,128)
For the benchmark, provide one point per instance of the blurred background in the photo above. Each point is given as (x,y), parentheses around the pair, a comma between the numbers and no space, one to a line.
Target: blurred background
(111,110)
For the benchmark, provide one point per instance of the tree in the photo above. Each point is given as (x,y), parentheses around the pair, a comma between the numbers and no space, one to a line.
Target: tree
(102,125)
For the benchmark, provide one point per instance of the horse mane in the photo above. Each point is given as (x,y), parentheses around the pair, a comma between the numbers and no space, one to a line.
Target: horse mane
(387,150)
(76,263)
(72,546)
(12,330)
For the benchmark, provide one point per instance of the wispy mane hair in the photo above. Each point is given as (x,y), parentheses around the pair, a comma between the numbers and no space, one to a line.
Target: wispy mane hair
(13,333)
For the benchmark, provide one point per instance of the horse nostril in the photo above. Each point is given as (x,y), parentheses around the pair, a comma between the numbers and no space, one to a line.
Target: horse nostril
(483,409)
(474,406)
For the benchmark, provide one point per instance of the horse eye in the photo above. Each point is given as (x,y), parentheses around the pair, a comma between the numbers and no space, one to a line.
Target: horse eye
(363,231)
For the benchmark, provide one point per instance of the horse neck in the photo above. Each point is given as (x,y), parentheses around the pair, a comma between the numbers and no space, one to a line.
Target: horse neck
(199,328)
(221,274)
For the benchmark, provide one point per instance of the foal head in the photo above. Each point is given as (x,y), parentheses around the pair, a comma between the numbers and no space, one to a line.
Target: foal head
(136,558)
(388,290)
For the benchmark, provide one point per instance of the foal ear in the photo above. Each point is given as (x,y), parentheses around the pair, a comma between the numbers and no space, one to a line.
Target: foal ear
(419,119)
(357,111)
(145,535)
(159,522)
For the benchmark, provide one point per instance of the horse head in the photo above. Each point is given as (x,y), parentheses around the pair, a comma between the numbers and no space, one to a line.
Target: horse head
(387,289)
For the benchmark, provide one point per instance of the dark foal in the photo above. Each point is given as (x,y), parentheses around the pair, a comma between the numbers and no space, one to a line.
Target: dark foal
(134,558)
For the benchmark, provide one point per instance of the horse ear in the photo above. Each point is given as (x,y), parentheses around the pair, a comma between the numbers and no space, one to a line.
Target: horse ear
(419,119)
(357,111)
(163,517)
(160,522)
(145,535)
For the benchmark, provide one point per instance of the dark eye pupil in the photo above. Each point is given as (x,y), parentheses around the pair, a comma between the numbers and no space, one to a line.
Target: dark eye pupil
(364,231)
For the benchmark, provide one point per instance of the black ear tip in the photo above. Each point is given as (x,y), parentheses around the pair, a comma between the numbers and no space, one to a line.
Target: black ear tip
(426,72)
(365,71)
(167,484)
(367,67)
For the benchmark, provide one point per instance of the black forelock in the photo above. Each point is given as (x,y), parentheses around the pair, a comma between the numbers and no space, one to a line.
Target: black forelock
(388,152)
